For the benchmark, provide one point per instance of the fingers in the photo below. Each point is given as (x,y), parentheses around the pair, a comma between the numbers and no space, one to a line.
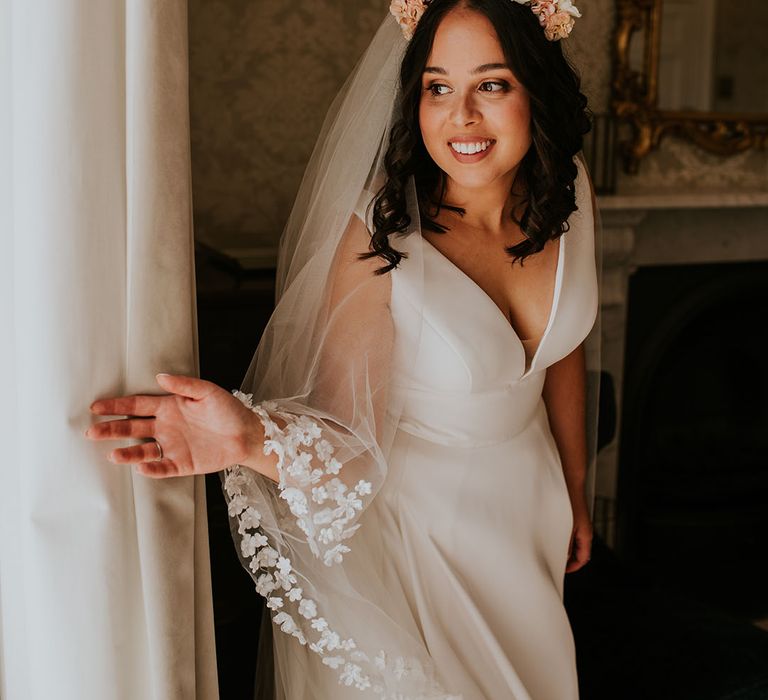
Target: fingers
(191,387)
(138,405)
(124,428)
(145,458)
(163,469)
(148,405)
(136,454)
(578,553)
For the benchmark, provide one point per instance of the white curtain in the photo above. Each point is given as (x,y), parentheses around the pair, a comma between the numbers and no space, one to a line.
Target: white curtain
(104,575)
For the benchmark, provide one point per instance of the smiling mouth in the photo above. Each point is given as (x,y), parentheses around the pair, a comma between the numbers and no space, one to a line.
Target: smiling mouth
(470,148)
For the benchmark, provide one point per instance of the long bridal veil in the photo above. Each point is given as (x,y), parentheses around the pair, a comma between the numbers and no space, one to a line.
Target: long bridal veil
(321,382)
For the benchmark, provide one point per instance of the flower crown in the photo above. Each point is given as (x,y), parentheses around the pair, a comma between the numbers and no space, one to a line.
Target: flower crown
(556,16)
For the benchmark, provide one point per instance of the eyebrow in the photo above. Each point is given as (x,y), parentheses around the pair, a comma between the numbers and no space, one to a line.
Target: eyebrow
(480,69)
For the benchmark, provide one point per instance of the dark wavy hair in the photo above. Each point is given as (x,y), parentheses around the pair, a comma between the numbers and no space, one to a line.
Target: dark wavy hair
(559,120)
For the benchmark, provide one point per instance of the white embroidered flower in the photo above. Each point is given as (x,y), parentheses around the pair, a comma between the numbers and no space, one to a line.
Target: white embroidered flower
(237,505)
(333,466)
(319,624)
(295,594)
(276,447)
(335,555)
(300,466)
(267,557)
(284,566)
(296,499)
(308,608)
(327,535)
(250,519)
(285,581)
(234,482)
(285,622)
(364,488)
(353,675)
(334,661)
(350,505)
(274,603)
(265,584)
(330,639)
(336,488)
(324,449)
(248,546)
(308,430)
(319,495)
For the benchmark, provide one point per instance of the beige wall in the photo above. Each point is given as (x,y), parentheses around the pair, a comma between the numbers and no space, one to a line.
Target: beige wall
(263,73)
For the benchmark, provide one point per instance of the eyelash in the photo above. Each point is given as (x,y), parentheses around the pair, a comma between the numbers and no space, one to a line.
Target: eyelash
(504,87)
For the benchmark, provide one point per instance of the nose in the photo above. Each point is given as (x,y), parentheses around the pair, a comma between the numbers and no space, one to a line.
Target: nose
(465,110)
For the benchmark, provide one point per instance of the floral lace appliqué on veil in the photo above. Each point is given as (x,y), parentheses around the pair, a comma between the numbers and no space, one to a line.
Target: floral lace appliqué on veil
(323,517)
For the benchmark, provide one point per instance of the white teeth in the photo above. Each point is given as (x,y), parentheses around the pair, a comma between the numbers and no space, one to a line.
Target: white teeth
(470,148)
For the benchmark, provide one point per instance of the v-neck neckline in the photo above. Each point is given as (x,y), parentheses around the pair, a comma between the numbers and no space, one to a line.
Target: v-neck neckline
(499,313)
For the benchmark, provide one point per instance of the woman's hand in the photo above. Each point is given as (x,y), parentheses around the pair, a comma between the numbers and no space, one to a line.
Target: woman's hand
(200,427)
(580,548)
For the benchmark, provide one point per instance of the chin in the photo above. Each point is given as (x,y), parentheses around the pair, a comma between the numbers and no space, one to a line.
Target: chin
(472,177)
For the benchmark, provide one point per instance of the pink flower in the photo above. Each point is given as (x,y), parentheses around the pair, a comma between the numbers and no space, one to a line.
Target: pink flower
(557,26)
(555,16)
(544,8)
(408,13)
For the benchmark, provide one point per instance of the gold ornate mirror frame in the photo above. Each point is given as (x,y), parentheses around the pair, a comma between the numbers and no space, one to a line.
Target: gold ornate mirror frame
(635,97)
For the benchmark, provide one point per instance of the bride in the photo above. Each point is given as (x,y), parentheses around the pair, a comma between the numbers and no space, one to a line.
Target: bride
(408,462)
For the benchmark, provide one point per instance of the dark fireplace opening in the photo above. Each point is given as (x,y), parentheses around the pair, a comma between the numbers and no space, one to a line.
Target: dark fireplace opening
(692,496)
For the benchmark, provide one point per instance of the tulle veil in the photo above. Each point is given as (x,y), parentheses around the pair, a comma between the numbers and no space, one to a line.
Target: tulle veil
(320,380)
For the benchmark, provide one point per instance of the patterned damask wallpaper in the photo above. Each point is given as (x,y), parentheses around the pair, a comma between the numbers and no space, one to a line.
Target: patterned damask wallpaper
(263,73)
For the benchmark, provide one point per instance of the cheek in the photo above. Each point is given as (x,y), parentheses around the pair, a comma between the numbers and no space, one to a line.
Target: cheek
(429,124)
(517,118)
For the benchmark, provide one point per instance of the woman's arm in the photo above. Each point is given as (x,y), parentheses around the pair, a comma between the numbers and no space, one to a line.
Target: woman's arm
(565,395)
(565,398)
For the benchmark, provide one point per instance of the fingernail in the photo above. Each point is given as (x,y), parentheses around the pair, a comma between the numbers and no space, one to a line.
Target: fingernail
(162,374)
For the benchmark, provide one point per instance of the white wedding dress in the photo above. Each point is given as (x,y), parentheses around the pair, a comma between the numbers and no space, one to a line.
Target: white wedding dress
(474,513)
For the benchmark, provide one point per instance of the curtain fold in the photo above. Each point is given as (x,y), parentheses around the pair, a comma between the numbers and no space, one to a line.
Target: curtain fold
(104,575)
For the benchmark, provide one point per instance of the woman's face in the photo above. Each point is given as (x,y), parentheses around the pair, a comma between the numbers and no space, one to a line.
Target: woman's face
(474,114)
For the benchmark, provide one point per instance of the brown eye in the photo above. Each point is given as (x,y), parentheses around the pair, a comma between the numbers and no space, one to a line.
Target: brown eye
(435,88)
(494,86)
